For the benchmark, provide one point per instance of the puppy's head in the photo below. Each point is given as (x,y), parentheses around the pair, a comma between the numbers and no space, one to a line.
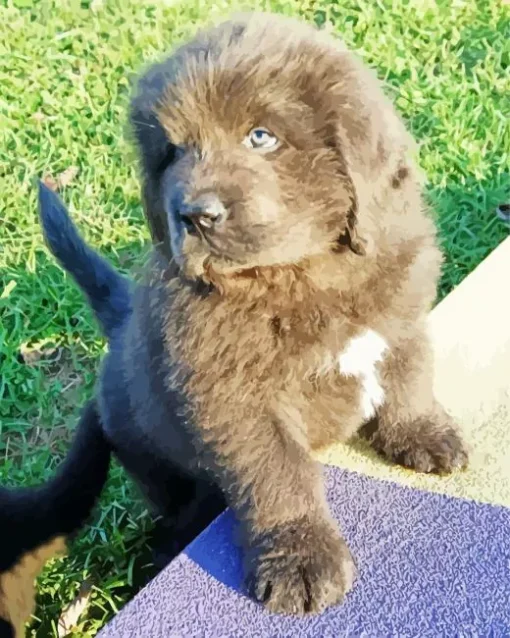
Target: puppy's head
(258,140)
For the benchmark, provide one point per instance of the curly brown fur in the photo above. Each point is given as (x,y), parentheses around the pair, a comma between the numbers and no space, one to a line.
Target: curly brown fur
(285,304)
(322,251)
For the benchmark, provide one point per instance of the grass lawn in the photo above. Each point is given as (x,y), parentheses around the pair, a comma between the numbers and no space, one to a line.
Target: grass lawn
(65,72)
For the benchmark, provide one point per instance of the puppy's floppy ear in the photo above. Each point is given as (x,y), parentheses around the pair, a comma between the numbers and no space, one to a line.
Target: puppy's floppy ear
(154,149)
(367,132)
(350,238)
(154,211)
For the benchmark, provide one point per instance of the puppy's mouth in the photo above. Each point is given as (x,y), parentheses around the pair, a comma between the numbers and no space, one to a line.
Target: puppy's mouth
(205,236)
(202,230)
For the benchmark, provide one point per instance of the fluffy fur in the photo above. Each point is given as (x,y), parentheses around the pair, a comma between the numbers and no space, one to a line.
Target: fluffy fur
(37,522)
(286,299)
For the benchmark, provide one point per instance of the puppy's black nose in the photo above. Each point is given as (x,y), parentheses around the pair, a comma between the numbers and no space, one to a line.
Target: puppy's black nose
(205,211)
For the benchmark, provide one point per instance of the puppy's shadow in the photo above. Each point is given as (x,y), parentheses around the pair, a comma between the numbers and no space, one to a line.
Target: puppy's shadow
(469,228)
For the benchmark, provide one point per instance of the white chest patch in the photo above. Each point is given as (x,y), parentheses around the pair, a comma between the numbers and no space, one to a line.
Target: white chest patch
(359,359)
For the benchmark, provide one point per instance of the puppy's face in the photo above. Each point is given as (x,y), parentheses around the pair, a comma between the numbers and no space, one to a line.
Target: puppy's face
(250,173)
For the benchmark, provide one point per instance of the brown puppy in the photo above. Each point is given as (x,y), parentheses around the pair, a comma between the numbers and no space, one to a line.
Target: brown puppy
(298,268)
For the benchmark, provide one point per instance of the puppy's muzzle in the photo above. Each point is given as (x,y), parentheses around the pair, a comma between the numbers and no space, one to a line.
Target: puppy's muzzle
(193,216)
(203,213)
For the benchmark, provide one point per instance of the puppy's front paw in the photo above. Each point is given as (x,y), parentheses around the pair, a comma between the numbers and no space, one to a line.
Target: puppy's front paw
(302,569)
(430,445)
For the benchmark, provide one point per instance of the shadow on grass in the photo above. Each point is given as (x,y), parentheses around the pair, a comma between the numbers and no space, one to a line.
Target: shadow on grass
(469,228)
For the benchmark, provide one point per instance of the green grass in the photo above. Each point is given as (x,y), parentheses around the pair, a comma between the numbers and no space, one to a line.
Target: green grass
(65,73)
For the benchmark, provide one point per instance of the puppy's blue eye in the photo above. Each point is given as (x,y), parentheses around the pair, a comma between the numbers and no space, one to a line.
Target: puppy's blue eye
(261,138)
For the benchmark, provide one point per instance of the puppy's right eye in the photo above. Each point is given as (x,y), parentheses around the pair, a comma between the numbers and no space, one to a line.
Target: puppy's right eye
(261,139)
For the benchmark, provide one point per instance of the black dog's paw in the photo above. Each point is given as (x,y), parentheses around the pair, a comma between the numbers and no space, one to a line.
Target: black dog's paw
(302,569)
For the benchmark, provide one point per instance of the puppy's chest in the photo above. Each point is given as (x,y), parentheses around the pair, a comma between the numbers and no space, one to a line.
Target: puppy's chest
(359,358)
(242,350)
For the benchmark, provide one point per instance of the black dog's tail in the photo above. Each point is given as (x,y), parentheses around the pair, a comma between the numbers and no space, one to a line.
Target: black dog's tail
(37,522)
(34,516)
(72,493)
(108,292)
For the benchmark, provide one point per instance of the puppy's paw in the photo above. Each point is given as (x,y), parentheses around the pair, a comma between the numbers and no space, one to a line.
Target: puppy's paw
(302,569)
(429,445)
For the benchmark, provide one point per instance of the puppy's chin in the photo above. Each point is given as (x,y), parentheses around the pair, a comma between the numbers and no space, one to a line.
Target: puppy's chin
(192,266)
(203,266)
(197,262)
(200,264)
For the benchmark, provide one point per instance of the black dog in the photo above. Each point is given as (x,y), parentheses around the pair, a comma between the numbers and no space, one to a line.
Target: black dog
(132,403)
(37,522)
